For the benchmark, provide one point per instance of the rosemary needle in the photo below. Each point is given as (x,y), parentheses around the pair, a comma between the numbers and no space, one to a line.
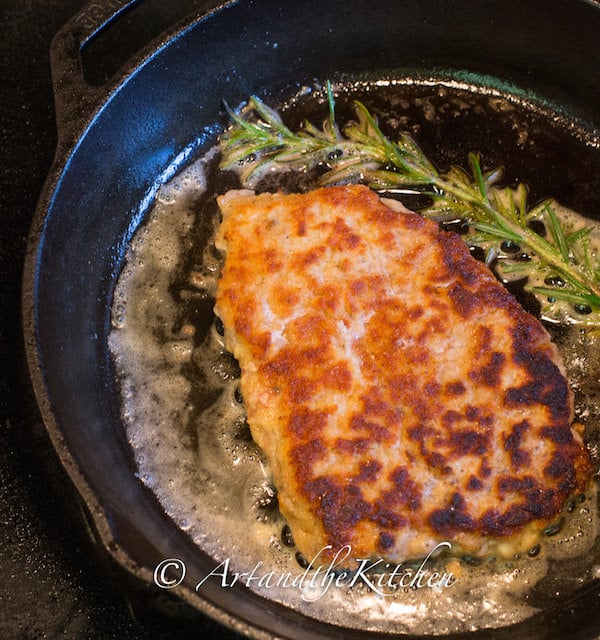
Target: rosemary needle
(259,141)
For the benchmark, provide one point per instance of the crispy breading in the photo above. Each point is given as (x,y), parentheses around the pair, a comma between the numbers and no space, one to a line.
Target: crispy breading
(401,395)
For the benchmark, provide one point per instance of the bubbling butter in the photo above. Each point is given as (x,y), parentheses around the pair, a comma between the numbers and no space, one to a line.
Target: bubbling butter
(185,421)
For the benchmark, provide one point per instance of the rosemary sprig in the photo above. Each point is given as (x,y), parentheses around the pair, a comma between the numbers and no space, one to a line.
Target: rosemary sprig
(559,264)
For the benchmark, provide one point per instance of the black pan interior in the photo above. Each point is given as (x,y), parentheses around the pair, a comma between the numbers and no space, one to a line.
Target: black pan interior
(543,53)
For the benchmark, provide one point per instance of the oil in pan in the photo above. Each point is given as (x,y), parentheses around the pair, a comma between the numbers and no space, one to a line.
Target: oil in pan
(184,415)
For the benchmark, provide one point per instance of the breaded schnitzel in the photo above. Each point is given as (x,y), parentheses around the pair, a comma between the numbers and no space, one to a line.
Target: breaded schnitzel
(401,395)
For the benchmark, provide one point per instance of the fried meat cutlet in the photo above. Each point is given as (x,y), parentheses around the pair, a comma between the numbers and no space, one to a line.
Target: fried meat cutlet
(401,395)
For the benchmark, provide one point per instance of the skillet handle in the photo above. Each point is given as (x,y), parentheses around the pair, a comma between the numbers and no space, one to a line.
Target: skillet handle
(74,98)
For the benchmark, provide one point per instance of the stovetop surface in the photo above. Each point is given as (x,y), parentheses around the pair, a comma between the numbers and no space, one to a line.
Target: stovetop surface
(55,581)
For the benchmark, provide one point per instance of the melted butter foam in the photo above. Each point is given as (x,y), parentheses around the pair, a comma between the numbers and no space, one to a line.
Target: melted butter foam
(186,425)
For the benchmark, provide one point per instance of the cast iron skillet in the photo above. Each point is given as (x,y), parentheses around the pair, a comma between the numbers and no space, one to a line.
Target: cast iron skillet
(118,142)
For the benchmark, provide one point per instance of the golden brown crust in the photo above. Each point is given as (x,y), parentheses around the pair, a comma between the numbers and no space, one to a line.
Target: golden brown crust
(400,393)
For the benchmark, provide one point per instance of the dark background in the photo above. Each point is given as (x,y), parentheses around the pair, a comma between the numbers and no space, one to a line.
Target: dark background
(55,581)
